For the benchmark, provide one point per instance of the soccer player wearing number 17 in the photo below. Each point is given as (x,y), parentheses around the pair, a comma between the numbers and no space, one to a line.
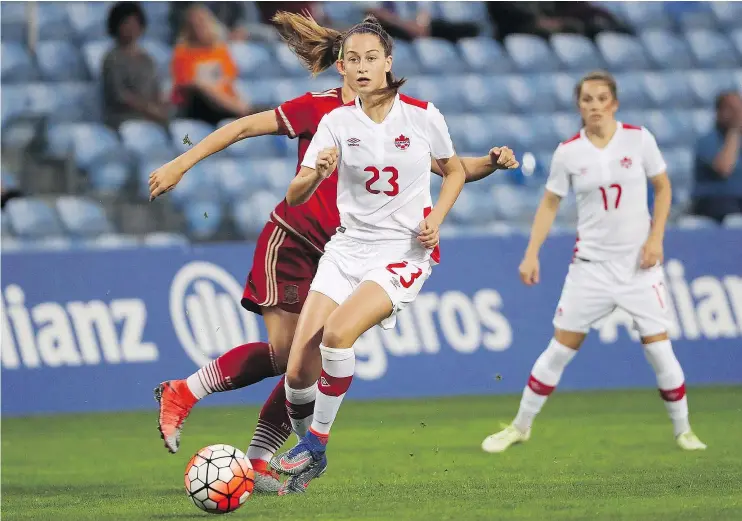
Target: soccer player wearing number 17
(617,258)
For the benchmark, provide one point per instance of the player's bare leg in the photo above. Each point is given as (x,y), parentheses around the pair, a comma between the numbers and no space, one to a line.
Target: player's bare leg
(671,384)
(545,375)
(368,305)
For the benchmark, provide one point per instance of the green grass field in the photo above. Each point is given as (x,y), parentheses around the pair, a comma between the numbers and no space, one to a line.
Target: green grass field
(598,456)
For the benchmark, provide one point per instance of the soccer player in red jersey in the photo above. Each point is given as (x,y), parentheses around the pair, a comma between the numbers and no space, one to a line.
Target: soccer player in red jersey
(285,259)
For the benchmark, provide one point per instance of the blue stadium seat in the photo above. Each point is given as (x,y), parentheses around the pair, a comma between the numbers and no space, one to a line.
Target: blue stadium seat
(706,85)
(486,92)
(78,102)
(60,61)
(88,19)
(13,102)
(256,147)
(143,137)
(195,130)
(405,61)
(566,124)
(712,49)
(437,55)
(733,221)
(532,93)
(696,222)
(669,89)
(53,21)
(9,181)
(275,174)
(473,12)
(165,239)
(94,53)
(509,202)
(563,86)
(262,93)
(680,165)
(200,183)
(109,176)
(473,207)
(736,37)
(83,217)
(288,61)
(669,129)
(161,53)
(442,91)
(12,32)
(253,60)
(703,120)
(250,215)
(48,244)
(632,92)
(647,15)
(13,12)
(236,181)
(15,64)
(112,241)
(667,50)
(576,52)
(480,53)
(698,17)
(32,218)
(622,52)
(482,132)
(92,142)
(728,14)
(544,131)
(203,217)
(530,53)
(288,89)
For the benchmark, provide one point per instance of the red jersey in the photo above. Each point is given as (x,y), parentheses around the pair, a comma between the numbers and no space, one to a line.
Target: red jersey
(316,220)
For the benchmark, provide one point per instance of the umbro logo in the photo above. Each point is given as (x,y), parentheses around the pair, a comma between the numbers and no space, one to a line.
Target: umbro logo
(323,382)
(354,142)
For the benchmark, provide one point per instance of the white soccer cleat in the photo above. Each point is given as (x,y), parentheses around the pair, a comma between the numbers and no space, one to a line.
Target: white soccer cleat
(500,441)
(689,441)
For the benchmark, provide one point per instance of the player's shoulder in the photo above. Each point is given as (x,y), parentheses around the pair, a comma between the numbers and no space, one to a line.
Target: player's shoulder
(322,102)
(414,102)
(571,144)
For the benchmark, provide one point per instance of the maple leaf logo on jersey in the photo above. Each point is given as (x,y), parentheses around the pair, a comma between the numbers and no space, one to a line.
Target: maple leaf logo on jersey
(626,162)
(402,142)
(354,142)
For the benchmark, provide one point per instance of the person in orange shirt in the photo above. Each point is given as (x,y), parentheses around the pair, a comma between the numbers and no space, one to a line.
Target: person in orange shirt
(203,71)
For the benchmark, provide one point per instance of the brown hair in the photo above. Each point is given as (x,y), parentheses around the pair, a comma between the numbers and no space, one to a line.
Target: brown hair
(316,47)
(603,76)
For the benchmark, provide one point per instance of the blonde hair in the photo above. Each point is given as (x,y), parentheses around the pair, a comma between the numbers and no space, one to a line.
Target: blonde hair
(185,36)
(604,76)
(316,47)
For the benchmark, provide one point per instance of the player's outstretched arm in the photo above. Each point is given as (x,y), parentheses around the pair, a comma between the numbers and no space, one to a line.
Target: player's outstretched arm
(547,210)
(476,168)
(308,179)
(167,176)
(652,252)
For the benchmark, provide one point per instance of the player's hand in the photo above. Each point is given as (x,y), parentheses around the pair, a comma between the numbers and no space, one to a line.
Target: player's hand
(529,270)
(652,253)
(429,235)
(327,161)
(164,179)
(503,158)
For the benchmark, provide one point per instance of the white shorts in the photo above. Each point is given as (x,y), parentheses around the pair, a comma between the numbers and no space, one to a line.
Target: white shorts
(594,290)
(399,267)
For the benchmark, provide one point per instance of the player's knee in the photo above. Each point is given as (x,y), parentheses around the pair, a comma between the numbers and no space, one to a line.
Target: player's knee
(337,332)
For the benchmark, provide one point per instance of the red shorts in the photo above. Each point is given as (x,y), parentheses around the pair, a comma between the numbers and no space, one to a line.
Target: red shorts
(282,270)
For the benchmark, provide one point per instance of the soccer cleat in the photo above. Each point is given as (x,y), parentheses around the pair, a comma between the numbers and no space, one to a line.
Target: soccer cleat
(176,402)
(500,441)
(267,480)
(689,441)
(295,461)
(298,484)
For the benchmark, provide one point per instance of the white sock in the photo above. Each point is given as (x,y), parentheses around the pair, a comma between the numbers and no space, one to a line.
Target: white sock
(671,383)
(545,375)
(206,380)
(300,406)
(338,366)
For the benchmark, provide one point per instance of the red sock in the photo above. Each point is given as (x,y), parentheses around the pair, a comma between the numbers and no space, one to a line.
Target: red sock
(274,426)
(239,367)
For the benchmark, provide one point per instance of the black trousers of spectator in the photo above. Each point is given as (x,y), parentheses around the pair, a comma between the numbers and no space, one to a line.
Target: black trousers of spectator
(717,207)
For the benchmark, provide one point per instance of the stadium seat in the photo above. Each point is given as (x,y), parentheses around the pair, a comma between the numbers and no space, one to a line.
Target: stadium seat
(60,61)
(112,241)
(576,52)
(88,19)
(93,141)
(632,92)
(622,52)
(70,102)
(83,217)
(13,12)
(543,130)
(712,49)
(695,222)
(706,85)
(736,37)
(680,165)
(250,215)
(165,239)
(728,14)
(256,147)
(456,12)
(437,56)
(15,64)
(480,53)
(703,121)
(563,86)
(203,217)
(13,102)
(646,15)
(508,202)
(486,92)
(473,207)
(667,50)
(193,129)
(161,53)
(481,132)
(143,137)
(532,93)
(12,32)
(109,176)
(94,53)
(236,181)
(288,61)
(53,22)
(668,89)
(530,53)
(566,125)
(48,244)
(253,60)
(201,182)
(261,93)
(275,174)
(32,218)
(699,17)
(405,62)
(669,129)
(442,91)
(733,221)
(9,180)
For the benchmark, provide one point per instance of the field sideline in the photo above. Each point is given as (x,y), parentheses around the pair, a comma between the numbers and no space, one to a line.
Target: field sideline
(592,456)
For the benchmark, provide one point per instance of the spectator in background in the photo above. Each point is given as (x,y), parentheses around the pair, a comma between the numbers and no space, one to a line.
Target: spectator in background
(131,89)
(229,15)
(718,175)
(204,72)
(407,25)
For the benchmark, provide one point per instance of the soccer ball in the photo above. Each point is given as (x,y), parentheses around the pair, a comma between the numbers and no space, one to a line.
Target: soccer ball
(219,479)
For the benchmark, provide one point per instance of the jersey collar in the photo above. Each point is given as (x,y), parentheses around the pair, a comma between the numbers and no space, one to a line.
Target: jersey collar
(395,110)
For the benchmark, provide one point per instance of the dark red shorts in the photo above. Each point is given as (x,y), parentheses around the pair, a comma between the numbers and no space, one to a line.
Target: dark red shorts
(282,270)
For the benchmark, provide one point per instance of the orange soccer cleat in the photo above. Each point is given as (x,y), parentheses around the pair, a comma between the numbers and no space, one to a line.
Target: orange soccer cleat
(176,402)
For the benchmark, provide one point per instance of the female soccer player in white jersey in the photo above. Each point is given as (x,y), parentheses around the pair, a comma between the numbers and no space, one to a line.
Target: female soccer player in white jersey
(375,265)
(617,259)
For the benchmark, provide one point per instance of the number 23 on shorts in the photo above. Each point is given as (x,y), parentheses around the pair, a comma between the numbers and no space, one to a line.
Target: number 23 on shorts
(406,272)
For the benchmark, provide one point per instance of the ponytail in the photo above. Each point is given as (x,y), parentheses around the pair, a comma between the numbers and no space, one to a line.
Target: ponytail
(316,47)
